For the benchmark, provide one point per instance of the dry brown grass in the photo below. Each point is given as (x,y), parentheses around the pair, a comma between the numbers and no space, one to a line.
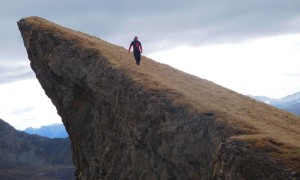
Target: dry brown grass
(276,131)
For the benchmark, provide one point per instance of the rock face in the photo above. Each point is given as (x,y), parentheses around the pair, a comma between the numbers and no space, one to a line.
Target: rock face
(152,121)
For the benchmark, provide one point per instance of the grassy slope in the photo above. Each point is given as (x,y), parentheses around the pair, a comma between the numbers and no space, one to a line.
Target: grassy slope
(265,126)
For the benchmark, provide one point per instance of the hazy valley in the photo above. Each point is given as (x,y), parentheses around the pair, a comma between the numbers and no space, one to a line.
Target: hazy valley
(24,156)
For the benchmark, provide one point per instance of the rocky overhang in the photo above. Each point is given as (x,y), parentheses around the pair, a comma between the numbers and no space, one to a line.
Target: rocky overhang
(153,121)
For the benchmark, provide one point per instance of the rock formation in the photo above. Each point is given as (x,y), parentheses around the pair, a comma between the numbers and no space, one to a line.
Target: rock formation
(153,121)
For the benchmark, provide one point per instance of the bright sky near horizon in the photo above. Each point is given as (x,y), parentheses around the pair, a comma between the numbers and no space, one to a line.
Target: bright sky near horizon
(262,67)
(251,47)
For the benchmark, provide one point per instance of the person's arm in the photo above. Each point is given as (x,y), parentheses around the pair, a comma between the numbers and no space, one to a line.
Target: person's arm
(141,48)
(129,48)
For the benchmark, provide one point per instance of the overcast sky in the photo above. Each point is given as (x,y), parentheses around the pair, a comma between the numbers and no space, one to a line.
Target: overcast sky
(251,47)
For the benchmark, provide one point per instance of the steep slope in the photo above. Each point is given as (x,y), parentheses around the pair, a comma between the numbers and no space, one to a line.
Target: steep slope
(153,121)
(27,155)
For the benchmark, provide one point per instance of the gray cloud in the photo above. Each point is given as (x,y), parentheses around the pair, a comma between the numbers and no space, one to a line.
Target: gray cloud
(173,22)
(159,24)
(13,71)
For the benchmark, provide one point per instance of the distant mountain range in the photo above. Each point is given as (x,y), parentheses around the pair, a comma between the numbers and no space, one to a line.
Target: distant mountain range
(52,131)
(289,103)
(24,156)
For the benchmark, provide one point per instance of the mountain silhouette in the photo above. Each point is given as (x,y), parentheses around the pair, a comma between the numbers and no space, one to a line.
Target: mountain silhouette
(51,131)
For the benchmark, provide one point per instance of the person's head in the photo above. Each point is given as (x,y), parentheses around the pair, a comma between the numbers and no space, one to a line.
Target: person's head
(135,38)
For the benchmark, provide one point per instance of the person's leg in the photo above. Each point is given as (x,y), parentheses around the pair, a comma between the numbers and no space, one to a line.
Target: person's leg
(137,56)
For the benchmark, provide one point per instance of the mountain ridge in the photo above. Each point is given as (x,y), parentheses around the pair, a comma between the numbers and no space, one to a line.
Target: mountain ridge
(160,117)
(290,103)
(56,130)
(23,155)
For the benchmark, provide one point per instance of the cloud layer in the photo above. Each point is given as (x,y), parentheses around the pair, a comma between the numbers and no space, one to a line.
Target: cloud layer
(194,22)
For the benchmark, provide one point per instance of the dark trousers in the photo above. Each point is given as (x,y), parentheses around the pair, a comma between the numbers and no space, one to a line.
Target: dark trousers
(137,56)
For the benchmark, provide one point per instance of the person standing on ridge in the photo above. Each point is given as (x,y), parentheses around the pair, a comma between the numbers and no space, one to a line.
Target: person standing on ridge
(137,49)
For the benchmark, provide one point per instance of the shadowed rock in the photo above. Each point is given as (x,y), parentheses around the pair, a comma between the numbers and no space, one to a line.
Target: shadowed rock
(153,121)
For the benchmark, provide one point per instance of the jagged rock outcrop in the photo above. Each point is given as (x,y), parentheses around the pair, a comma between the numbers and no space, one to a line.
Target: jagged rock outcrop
(152,121)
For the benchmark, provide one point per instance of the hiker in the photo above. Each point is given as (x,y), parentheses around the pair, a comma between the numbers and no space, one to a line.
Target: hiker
(137,50)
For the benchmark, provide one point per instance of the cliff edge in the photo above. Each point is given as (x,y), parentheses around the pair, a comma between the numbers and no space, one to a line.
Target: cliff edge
(153,121)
